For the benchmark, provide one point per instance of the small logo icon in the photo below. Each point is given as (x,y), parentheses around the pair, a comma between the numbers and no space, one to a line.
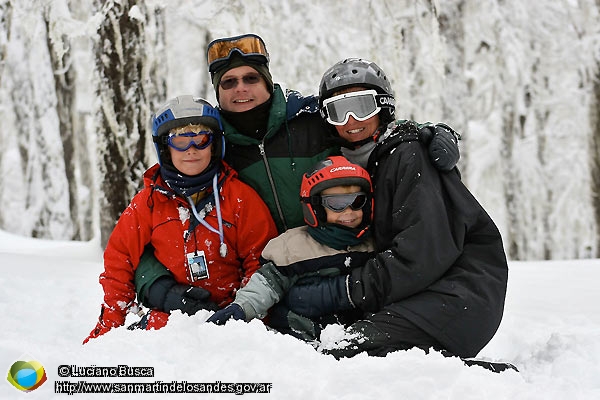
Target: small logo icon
(26,375)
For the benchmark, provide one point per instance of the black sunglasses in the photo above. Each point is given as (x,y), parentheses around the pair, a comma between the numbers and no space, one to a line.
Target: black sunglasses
(339,202)
(230,83)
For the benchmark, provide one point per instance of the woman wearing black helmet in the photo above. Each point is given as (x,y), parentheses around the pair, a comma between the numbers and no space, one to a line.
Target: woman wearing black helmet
(356,98)
(438,278)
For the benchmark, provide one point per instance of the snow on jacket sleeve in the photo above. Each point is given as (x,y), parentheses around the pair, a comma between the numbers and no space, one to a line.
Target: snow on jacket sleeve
(123,251)
(255,227)
(412,230)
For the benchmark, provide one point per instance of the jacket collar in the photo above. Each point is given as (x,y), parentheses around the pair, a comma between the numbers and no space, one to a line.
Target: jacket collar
(276,117)
(154,181)
(284,107)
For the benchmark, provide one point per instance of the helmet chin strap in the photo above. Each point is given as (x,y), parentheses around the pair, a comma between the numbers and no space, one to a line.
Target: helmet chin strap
(355,145)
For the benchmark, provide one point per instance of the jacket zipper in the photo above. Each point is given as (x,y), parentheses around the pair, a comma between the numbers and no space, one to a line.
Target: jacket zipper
(261,147)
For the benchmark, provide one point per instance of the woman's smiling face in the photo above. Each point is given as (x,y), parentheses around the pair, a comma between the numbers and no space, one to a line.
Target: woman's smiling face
(353,130)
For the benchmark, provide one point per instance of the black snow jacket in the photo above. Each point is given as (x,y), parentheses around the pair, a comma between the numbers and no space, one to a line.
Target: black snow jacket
(440,260)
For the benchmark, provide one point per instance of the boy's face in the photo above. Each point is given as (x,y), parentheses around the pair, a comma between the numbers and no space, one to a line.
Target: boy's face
(353,130)
(348,217)
(193,160)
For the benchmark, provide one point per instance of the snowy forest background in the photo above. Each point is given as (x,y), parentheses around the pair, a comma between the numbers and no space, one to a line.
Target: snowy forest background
(520,80)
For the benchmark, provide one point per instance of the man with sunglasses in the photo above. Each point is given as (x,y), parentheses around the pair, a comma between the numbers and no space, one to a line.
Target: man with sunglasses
(272,137)
(438,278)
(209,245)
(337,202)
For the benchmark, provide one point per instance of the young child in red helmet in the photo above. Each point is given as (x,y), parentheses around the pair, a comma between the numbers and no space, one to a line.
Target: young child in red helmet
(337,202)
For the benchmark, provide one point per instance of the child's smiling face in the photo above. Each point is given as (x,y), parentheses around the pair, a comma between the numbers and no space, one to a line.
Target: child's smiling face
(348,217)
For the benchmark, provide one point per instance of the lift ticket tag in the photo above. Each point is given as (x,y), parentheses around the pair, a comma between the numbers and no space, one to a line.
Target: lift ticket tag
(197,267)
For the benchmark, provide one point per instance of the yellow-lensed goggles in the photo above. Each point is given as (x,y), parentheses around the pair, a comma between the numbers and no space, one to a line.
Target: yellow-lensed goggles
(249,46)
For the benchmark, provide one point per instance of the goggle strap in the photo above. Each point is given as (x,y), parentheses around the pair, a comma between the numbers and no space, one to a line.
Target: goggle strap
(385,100)
(382,100)
(323,112)
(313,200)
(242,54)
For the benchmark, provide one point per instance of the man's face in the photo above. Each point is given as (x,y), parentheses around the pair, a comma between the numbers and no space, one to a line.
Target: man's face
(245,94)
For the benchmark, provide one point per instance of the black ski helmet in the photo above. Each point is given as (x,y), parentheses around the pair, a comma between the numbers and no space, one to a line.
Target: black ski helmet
(357,72)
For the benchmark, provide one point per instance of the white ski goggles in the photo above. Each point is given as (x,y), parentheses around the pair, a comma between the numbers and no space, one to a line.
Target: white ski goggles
(362,105)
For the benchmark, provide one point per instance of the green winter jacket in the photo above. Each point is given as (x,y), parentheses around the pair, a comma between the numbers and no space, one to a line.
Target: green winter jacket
(297,137)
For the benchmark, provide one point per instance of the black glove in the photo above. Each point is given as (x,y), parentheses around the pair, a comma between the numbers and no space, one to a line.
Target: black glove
(165,294)
(233,310)
(324,297)
(442,142)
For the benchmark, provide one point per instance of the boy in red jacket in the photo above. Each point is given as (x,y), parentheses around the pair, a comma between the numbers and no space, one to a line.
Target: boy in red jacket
(209,243)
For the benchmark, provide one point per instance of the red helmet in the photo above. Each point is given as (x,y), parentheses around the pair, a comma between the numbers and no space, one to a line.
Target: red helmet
(333,171)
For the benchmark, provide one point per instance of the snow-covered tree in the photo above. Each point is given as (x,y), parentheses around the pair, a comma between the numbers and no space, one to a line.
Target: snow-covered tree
(5,20)
(61,56)
(125,91)
(595,150)
(35,196)
(518,79)
(527,68)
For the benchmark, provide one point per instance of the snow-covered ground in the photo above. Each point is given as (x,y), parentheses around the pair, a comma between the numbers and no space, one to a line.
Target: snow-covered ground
(50,299)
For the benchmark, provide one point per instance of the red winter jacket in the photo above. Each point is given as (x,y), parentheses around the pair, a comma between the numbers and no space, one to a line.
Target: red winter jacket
(162,219)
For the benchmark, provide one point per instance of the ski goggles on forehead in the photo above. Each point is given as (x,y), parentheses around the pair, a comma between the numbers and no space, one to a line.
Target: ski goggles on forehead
(185,140)
(361,105)
(339,202)
(248,46)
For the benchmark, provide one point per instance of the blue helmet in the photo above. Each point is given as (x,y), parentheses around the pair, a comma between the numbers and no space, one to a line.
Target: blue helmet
(185,110)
